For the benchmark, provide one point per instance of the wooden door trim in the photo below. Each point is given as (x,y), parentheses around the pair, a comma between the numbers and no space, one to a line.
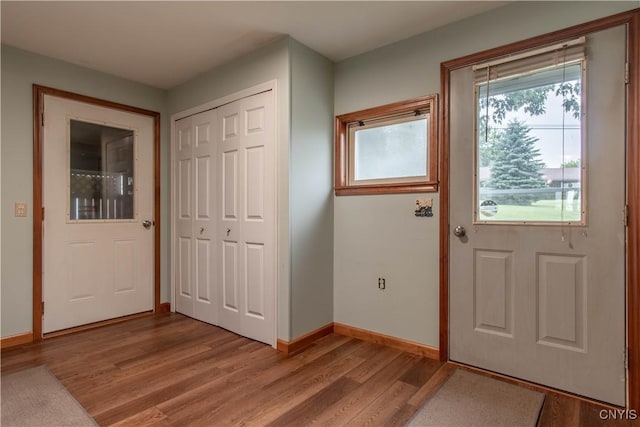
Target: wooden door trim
(38,145)
(632,20)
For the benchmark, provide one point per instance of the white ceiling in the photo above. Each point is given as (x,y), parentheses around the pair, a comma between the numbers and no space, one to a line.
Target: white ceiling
(166,43)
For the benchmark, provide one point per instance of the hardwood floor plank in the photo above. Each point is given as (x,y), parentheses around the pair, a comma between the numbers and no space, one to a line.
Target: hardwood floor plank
(207,401)
(382,410)
(421,372)
(147,379)
(432,385)
(151,417)
(129,407)
(234,407)
(300,385)
(382,356)
(351,405)
(305,412)
(560,411)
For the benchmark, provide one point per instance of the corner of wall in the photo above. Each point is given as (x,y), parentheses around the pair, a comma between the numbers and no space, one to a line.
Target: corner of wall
(311,190)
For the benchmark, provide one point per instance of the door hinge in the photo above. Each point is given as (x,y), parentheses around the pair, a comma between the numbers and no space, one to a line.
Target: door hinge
(626,215)
(43,213)
(626,73)
(43,308)
(626,358)
(42,116)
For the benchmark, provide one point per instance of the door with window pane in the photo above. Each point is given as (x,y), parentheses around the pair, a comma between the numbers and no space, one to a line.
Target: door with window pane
(537,246)
(98,213)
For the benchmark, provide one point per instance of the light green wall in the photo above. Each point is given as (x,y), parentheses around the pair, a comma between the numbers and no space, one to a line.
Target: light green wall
(311,190)
(20,69)
(377,235)
(269,63)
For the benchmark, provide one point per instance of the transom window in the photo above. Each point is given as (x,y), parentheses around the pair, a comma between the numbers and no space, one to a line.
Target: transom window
(530,157)
(387,149)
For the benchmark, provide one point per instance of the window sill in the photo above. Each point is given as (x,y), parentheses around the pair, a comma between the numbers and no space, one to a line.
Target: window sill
(386,189)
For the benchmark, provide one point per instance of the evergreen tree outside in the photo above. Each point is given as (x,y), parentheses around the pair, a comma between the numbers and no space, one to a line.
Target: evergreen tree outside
(517,164)
(530,101)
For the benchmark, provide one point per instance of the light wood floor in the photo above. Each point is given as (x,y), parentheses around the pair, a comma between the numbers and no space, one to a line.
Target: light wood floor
(169,370)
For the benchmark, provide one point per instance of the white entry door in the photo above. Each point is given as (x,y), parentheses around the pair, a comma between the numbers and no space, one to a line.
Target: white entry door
(98,199)
(537,217)
(194,207)
(246,225)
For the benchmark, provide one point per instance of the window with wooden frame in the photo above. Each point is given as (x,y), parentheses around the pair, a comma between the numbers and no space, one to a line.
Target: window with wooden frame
(388,149)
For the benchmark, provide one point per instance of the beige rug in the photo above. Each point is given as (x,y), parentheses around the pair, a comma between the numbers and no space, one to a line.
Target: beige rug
(468,399)
(35,397)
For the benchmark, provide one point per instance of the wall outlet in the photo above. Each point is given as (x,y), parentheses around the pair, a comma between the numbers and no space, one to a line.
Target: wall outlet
(20,209)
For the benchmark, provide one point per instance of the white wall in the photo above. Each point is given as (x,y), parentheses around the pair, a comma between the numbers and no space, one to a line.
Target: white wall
(311,190)
(377,235)
(20,69)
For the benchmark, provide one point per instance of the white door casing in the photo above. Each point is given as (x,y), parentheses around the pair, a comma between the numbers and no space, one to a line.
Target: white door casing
(246,231)
(94,269)
(546,303)
(195,179)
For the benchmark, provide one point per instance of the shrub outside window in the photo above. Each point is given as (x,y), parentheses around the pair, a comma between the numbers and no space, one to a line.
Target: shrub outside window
(388,149)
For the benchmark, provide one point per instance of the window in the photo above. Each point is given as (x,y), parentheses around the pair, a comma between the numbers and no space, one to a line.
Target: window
(100,172)
(530,157)
(388,149)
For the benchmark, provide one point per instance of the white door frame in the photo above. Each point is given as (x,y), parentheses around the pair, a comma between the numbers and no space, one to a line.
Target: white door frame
(632,20)
(245,93)
(39,93)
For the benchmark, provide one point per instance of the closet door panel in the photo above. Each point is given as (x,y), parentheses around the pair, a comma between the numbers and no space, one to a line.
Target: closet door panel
(247,160)
(195,186)
(183,215)
(204,229)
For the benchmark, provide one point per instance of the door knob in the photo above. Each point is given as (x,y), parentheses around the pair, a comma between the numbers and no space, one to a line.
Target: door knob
(146,224)
(459,231)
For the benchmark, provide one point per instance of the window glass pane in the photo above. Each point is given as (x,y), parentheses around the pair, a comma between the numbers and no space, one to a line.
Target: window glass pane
(529,147)
(396,150)
(101,172)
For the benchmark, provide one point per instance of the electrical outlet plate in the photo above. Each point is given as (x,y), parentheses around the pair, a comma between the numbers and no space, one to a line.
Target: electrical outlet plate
(20,209)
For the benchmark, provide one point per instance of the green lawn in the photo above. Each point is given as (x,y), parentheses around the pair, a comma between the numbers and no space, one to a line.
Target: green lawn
(543,210)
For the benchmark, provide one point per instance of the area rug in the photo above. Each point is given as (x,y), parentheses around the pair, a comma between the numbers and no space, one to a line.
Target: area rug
(35,397)
(468,399)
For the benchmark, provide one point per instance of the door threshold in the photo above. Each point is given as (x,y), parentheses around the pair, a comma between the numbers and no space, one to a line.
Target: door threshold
(532,386)
(95,325)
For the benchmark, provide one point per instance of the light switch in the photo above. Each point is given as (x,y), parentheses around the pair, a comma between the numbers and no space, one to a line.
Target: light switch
(20,209)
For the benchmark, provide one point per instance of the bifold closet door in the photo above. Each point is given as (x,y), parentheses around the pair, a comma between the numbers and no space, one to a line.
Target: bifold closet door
(246,226)
(194,213)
